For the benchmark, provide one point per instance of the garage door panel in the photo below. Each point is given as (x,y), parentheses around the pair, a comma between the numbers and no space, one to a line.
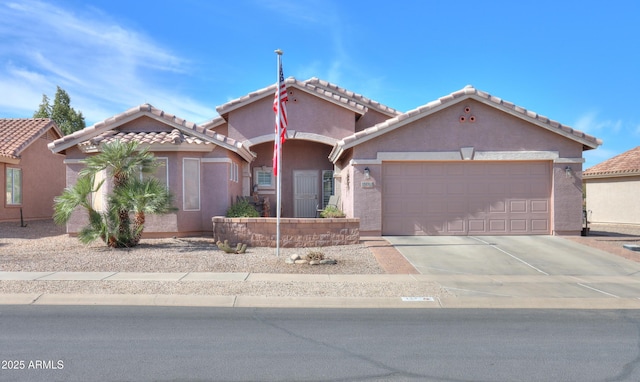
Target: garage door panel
(457,188)
(518,206)
(477,226)
(497,226)
(456,227)
(498,207)
(518,226)
(448,198)
(540,206)
(540,226)
(433,188)
(479,189)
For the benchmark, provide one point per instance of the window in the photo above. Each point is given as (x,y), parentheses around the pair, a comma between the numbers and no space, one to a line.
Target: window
(14,186)
(191,184)
(161,171)
(263,177)
(233,170)
(327,186)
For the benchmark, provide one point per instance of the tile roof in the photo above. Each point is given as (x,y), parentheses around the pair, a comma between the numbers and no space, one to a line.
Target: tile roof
(321,88)
(625,164)
(184,131)
(16,134)
(588,141)
(173,137)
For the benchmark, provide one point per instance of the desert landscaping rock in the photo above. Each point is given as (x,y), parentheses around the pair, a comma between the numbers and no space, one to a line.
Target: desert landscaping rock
(44,247)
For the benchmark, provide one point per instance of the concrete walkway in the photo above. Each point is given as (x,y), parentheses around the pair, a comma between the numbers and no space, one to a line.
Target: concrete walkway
(471,291)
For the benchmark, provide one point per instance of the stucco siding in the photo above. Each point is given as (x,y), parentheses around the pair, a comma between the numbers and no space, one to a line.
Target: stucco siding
(492,130)
(297,155)
(614,200)
(305,113)
(145,124)
(42,180)
(493,133)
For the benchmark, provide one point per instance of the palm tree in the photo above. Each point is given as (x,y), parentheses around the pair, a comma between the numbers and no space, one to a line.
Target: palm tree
(124,163)
(121,161)
(146,196)
(80,196)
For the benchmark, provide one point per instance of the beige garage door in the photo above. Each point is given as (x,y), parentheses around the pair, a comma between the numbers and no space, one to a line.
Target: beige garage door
(466,198)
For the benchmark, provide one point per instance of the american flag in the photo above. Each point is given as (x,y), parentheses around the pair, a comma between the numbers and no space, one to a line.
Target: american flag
(279,102)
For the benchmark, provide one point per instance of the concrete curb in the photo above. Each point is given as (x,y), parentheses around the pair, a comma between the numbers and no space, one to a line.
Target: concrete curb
(317,302)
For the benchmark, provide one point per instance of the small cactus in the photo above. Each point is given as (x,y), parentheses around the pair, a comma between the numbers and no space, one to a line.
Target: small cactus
(240,248)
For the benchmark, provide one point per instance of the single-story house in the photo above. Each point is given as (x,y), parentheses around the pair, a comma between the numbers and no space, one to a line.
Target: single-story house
(466,164)
(30,174)
(612,189)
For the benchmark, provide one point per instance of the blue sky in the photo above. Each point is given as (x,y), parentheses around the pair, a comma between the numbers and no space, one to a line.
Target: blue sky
(574,62)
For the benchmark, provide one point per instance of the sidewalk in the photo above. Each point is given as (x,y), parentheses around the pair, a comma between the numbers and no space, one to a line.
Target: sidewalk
(460,291)
(471,291)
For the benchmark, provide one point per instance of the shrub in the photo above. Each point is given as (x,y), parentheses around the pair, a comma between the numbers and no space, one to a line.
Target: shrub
(315,255)
(242,209)
(332,212)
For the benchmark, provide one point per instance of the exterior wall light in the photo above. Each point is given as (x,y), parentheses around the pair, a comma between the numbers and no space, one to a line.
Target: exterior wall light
(367,173)
(567,171)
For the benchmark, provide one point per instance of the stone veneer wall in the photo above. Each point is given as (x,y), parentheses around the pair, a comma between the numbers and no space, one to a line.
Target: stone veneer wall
(294,232)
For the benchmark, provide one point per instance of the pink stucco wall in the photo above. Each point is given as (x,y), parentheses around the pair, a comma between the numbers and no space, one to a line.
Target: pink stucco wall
(493,130)
(216,194)
(297,155)
(43,180)
(306,113)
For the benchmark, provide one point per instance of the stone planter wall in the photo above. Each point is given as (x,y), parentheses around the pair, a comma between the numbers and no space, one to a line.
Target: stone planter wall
(261,232)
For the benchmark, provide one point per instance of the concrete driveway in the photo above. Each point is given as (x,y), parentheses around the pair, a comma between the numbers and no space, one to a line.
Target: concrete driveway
(520,266)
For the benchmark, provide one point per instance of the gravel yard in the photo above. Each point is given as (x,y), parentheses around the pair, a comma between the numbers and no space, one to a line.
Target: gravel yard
(44,247)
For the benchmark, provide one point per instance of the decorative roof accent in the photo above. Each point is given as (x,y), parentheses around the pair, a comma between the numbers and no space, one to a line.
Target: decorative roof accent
(184,131)
(625,164)
(323,89)
(16,134)
(468,92)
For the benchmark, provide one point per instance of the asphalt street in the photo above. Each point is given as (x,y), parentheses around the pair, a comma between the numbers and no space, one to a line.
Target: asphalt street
(85,343)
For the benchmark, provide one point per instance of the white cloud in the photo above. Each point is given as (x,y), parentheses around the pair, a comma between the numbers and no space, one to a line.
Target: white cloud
(590,124)
(106,67)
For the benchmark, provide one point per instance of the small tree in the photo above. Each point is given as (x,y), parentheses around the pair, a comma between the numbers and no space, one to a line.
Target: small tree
(61,112)
(130,195)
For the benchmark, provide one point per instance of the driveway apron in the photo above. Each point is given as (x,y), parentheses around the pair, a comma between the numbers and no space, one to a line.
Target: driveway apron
(520,266)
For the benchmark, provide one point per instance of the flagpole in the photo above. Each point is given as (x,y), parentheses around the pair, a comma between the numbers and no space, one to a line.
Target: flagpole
(279,158)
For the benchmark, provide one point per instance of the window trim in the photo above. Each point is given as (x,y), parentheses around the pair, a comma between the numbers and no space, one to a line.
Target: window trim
(268,170)
(12,203)
(166,168)
(184,189)
(234,172)
(327,174)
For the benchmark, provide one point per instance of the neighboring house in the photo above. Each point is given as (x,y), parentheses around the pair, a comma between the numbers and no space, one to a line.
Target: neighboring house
(612,189)
(466,164)
(31,176)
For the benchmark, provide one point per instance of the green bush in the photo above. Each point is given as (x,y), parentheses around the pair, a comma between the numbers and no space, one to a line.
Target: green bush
(332,212)
(242,209)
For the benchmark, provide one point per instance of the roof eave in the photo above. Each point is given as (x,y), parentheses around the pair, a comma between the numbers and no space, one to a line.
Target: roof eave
(447,101)
(173,121)
(603,175)
(291,82)
(536,119)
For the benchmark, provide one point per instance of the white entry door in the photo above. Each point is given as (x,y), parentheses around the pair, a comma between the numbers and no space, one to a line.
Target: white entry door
(305,193)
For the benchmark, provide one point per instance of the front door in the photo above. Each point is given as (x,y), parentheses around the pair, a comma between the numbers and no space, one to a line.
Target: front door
(305,193)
